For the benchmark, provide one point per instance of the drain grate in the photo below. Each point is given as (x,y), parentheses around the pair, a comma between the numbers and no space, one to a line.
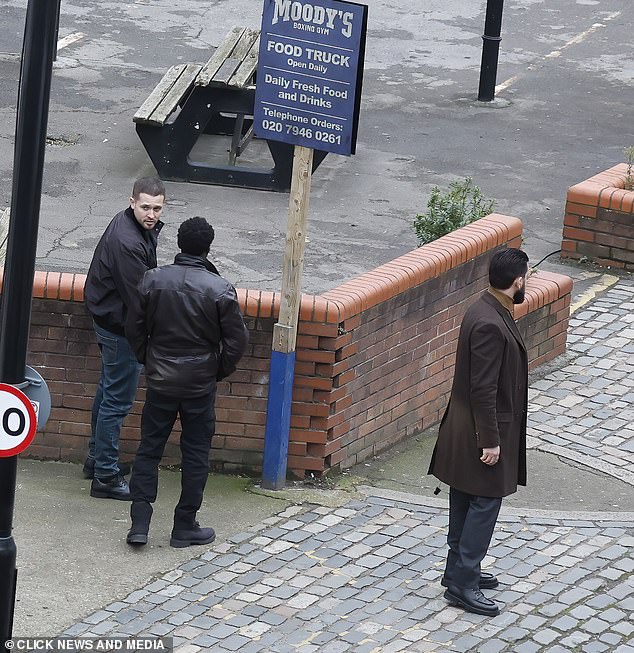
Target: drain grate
(61,141)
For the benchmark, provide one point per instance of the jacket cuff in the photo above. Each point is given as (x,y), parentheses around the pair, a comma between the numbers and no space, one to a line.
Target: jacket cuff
(487,440)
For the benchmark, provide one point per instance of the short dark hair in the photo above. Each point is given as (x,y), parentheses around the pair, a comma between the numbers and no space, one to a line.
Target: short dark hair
(195,236)
(506,266)
(152,186)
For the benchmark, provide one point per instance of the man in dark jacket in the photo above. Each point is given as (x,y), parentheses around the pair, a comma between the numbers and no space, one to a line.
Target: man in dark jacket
(125,252)
(188,330)
(481,447)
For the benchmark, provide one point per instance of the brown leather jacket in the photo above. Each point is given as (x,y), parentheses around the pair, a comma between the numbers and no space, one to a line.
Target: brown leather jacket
(186,327)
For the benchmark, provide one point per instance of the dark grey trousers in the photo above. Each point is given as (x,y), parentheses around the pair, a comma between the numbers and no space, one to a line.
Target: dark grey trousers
(471,524)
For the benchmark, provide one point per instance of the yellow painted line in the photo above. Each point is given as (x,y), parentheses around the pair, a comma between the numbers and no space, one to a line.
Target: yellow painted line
(579,38)
(307,641)
(606,281)
(69,40)
(334,571)
(575,40)
(309,554)
(505,84)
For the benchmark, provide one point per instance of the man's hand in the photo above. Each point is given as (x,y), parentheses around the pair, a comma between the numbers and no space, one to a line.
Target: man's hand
(490,455)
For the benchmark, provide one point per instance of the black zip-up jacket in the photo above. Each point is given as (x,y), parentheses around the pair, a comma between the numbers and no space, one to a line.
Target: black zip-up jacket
(124,253)
(186,327)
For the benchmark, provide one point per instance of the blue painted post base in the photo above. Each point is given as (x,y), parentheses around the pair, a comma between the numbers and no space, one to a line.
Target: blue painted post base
(278,420)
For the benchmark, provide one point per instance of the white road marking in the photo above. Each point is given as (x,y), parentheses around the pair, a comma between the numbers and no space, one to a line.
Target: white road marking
(69,40)
(505,84)
(61,44)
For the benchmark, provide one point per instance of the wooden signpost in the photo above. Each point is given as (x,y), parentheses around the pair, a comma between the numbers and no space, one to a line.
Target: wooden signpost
(285,331)
(308,94)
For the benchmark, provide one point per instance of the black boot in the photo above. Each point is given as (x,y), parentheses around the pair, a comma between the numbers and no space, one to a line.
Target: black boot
(141,513)
(182,537)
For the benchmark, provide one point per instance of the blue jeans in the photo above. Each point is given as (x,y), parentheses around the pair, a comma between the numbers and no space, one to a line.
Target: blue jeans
(115,393)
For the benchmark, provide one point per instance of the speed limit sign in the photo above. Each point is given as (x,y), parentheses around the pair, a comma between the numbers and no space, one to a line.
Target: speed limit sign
(18,421)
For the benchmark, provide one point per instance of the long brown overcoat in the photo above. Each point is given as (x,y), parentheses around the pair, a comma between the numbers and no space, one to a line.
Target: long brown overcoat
(487,406)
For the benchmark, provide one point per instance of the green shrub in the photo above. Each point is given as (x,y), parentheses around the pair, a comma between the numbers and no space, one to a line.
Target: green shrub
(629,179)
(463,204)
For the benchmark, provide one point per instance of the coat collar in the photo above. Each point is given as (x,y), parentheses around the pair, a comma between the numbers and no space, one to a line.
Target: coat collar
(505,300)
(492,300)
(195,262)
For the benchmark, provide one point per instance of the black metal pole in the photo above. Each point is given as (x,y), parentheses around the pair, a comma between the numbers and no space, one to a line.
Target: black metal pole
(28,165)
(56,36)
(490,50)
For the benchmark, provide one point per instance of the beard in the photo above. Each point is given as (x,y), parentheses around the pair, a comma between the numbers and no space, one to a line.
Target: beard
(518,297)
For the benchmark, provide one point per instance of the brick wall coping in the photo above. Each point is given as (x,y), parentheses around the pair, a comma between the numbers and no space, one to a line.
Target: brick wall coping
(374,356)
(373,287)
(604,190)
(354,296)
(543,288)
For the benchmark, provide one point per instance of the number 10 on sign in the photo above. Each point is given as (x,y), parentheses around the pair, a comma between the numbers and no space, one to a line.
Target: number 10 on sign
(18,421)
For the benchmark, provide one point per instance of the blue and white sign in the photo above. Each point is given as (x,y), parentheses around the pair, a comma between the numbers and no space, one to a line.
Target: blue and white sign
(308,88)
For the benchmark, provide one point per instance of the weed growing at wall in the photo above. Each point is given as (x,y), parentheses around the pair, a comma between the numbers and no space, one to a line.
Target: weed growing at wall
(463,204)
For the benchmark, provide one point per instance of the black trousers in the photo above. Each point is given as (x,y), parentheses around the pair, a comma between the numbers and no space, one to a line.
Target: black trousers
(198,423)
(471,524)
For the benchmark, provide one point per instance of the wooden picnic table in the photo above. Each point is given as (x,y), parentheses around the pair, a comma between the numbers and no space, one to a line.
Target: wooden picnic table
(215,98)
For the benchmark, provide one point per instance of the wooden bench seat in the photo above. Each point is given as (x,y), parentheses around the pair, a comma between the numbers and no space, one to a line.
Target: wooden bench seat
(167,95)
(234,62)
(216,98)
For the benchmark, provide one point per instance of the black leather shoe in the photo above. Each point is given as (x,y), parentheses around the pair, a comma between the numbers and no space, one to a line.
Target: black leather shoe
(115,487)
(487,581)
(89,468)
(471,601)
(182,537)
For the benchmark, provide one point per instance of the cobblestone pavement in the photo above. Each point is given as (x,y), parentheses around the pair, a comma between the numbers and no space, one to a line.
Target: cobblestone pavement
(365,578)
(584,410)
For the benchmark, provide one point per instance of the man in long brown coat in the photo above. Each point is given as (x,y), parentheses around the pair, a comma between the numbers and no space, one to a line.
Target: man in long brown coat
(481,447)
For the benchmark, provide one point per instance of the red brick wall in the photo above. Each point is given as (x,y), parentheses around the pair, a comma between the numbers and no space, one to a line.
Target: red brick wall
(543,318)
(400,352)
(374,356)
(599,220)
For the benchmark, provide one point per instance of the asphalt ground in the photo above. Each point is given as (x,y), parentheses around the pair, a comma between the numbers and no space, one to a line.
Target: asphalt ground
(566,70)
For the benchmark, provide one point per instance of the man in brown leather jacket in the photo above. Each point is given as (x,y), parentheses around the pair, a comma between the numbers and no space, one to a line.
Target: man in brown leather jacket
(187,328)
(481,447)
